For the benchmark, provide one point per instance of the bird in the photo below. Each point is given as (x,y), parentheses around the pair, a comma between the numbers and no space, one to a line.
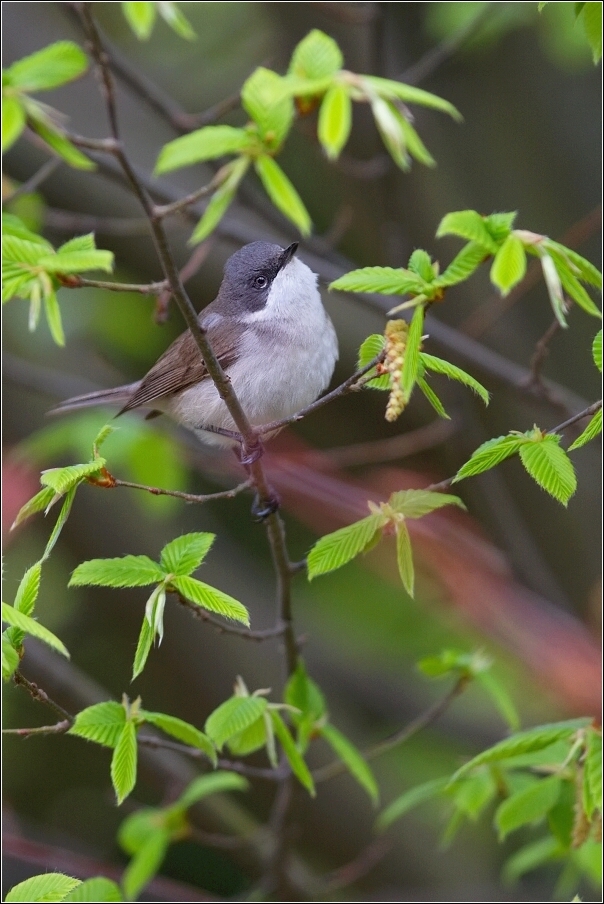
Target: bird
(272,335)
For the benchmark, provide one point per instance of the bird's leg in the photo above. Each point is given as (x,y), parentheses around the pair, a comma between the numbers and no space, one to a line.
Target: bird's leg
(261,508)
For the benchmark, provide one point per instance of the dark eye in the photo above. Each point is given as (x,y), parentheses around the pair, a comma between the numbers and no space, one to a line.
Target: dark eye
(260,282)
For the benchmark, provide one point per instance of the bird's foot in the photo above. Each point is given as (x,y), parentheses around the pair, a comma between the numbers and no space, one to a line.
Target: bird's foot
(262,508)
(250,454)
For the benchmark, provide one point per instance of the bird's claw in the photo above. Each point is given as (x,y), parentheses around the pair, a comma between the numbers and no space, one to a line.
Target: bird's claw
(262,508)
(250,455)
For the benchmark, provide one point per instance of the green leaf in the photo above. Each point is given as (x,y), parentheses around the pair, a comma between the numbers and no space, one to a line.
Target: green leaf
(475,793)
(60,522)
(21,250)
(47,887)
(573,287)
(463,265)
(523,742)
(145,864)
(28,589)
(57,141)
(128,571)
(215,783)
(264,98)
(592,20)
(232,717)
(410,799)
(415,145)
(383,280)
(352,759)
(141,18)
(447,661)
(389,123)
(439,366)
(203,144)
(172,15)
(500,698)
(596,350)
(220,200)
(210,598)
(64,479)
(336,549)
(53,318)
(143,648)
(404,557)
(12,225)
(593,429)
(592,773)
(500,224)
(469,225)
(294,757)
(253,738)
(530,857)
(561,817)
(54,65)
(584,268)
(509,265)
(123,762)
(183,731)
(554,288)
(490,454)
(549,465)
(10,659)
(410,95)
(527,806)
(32,627)
(185,554)
(101,723)
(78,243)
(317,56)
(335,120)
(432,398)
(13,121)
(303,693)
(370,349)
(417,503)
(97,889)
(77,261)
(412,352)
(282,193)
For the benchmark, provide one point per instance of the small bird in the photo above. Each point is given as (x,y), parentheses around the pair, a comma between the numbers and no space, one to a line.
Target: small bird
(271,334)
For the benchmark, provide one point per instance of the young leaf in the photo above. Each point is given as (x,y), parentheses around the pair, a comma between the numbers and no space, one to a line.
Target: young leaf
(47,68)
(251,739)
(173,16)
(593,429)
(409,800)
(335,120)
(57,141)
(509,265)
(77,261)
(10,659)
(214,783)
(210,598)
(53,318)
(411,95)
(389,123)
(294,757)
(64,479)
(415,145)
(60,522)
(596,350)
(220,200)
(123,762)
(232,717)
(404,557)
(370,349)
(527,806)
(282,193)
(28,589)
(47,887)
(352,759)
(437,365)
(412,352)
(384,280)
(13,121)
(181,730)
(530,857)
(32,627)
(573,287)
(264,98)
(592,773)
(474,793)
(432,398)
(93,890)
(128,571)
(592,21)
(489,454)
(141,18)
(145,863)
(554,288)
(316,57)
(500,698)
(417,503)
(303,693)
(463,264)
(584,268)
(549,465)
(469,225)
(336,549)
(101,723)
(143,648)
(203,144)
(185,554)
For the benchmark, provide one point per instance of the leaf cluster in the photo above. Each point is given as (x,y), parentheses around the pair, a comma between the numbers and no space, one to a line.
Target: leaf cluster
(141,16)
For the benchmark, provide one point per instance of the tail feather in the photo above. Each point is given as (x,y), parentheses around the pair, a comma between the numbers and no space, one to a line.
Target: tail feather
(117,396)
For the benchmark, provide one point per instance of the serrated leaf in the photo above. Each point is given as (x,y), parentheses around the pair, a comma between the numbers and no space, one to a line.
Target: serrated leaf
(220,200)
(432,398)
(215,783)
(390,126)
(421,263)
(10,659)
(415,145)
(593,429)
(21,251)
(251,739)
(417,503)
(271,108)
(123,762)
(101,723)
(78,243)
(530,857)
(596,350)
(13,121)
(412,352)
(370,349)
(181,730)
(232,717)
(28,589)
(489,454)
(592,773)
(336,549)
(145,863)
(93,890)
(500,697)
(469,225)
(316,57)
(584,268)
(77,261)
(411,95)
(53,318)
(592,20)
(404,557)
(47,888)
(294,757)
(13,225)
(303,693)
(127,571)
(475,793)
(523,742)
(439,366)
(143,648)
(509,265)
(554,288)
(57,141)
(30,626)
(47,68)
(410,799)
(63,479)
(140,17)
(383,280)
(352,759)
(335,120)
(549,465)
(178,22)
(185,554)
(499,224)
(463,264)
(573,287)
(527,806)
(282,193)
(210,598)
(60,522)
(203,144)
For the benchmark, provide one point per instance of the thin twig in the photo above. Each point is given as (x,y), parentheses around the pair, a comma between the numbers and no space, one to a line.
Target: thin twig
(41,696)
(167,210)
(74,281)
(541,352)
(68,221)
(587,412)
(189,270)
(224,628)
(57,728)
(35,181)
(188,497)
(362,864)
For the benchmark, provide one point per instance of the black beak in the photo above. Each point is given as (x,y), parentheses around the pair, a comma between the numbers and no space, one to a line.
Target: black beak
(288,254)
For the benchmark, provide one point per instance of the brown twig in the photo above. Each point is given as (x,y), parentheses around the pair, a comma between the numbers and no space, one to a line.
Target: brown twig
(74,281)
(534,379)
(36,693)
(57,728)
(187,497)
(587,412)
(351,872)
(35,181)
(189,270)
(225,628)
(168,210)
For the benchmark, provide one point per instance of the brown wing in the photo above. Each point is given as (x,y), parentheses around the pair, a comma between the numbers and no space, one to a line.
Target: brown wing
(181,365)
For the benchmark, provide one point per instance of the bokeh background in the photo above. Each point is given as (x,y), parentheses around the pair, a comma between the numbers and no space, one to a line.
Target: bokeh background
(518,576)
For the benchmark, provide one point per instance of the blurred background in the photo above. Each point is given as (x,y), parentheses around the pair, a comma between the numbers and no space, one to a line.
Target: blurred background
(517,577)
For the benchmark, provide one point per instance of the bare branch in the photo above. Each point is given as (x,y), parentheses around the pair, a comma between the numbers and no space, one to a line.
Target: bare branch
(225,628)
(74,281)
(35,181)
(36,693)
(188,497)
(57,728)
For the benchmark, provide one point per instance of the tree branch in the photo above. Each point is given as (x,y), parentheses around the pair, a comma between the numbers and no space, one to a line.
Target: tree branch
(36,693)
(188,497)
(225,628)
